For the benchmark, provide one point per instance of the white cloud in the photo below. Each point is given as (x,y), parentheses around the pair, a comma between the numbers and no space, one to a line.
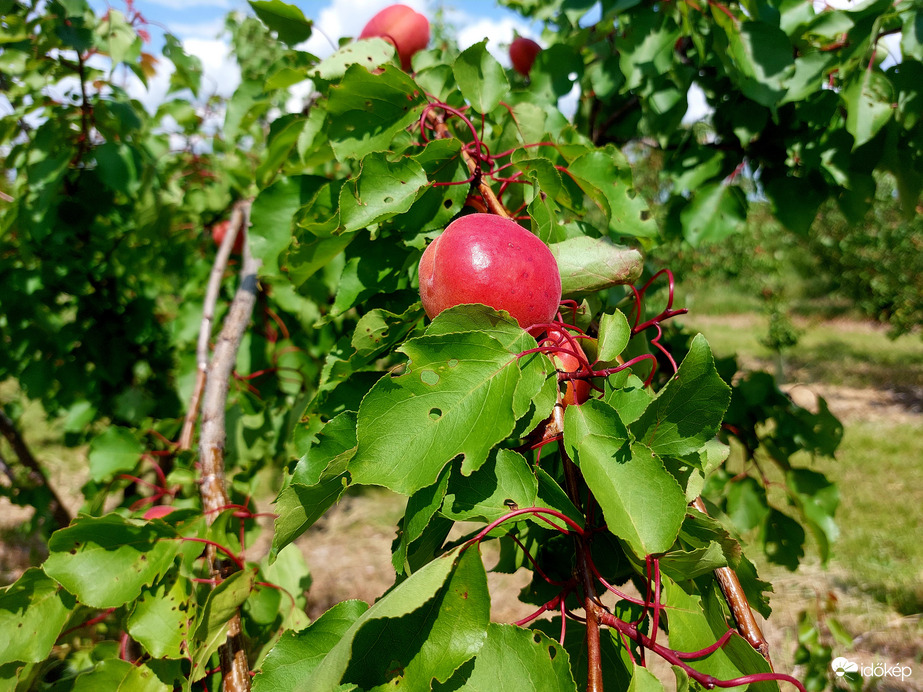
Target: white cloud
(208,29)
(187,4)
(499,34)
(221,75)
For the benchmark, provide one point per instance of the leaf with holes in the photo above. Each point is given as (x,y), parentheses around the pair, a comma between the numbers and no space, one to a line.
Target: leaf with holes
(456,397)
(33,611)
(385,186)
(368,110)
(106,561)
(606,178)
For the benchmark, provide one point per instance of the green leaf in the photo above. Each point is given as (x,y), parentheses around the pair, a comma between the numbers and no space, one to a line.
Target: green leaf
(503,484)
(746,504)
(627,394)
(297,654)
(614,334)
(385,186)
(627,480)
(370,53)
(456,397)
(163,615)
(118,38)
(783,539)
(33,611)
(433,622)
(696,623)
(510,653)
(211,630)
(868,99)
(762,54)
(318,481)
(714,212)
(284,134)
(481,78)
(286,20)
(272,215)
(818,499)
(421,506)
(606,177)
(688,411)
(119,676)
(106,561)
(188,68)
(795,201)
(589,264)
(643,680)
(114,450)
(912,36)
(367,111)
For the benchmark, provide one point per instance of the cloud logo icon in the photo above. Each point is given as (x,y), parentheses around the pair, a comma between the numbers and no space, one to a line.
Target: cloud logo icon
(841,666)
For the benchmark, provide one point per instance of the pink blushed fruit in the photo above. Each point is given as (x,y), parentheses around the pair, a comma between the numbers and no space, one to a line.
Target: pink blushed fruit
(523,52)
(406,29)
(484,258)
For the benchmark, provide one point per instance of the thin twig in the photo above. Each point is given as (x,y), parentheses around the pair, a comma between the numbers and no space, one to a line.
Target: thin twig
(585,576)
(37,476)
(490,199)
(208,315)
(212,487)
(737,601)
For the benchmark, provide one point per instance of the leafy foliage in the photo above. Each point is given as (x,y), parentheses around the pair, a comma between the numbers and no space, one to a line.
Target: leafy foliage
(104,266)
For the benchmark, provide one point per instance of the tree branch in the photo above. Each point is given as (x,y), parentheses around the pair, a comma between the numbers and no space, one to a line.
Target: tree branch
(573,481)
(37,476)
(737,601)
(490,199)
(238,214)
(212,487)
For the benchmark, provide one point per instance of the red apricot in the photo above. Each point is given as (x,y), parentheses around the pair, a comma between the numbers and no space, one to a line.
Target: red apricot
(158,512)
(484,258)
(220,229)
(575,391)
(406,29)
(523,52)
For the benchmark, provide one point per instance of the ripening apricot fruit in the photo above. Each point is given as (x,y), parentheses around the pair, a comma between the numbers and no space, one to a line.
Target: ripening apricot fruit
(523,52)
(220,229)
(484,258)
(406,29)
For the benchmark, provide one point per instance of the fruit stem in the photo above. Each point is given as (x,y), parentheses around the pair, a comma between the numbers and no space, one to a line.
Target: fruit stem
(490,199)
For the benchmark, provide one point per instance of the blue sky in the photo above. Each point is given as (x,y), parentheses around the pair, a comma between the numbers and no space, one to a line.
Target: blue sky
(198,23)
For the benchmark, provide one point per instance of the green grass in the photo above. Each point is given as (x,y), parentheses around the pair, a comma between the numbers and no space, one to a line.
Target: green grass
(879,469)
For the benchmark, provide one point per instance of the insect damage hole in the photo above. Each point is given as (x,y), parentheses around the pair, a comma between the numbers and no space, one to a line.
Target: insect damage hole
(435,413)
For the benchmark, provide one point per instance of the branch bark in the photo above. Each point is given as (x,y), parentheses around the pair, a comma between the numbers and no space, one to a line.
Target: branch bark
(574,483)
(238,214)
(490,199)
(737,601)
(212,487)
(37,476)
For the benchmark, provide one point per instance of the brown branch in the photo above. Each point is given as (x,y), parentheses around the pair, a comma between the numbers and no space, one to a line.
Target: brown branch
(737,601)
(212,487)
(208,315)
(573,481)
(490,199)
(36,475)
